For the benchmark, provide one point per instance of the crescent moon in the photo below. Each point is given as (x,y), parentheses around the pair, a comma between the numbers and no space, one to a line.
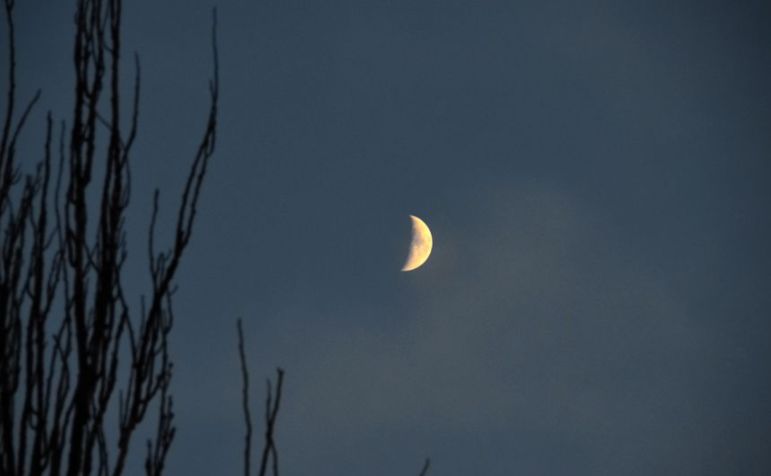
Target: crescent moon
(420,246)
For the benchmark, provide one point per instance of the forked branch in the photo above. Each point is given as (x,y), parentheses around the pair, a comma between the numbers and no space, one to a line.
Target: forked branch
(272,403)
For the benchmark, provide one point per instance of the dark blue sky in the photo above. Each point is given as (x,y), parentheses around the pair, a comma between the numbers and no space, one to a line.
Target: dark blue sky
(596,177)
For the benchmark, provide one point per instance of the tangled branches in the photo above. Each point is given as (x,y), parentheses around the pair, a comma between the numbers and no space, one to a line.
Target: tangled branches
(68,337)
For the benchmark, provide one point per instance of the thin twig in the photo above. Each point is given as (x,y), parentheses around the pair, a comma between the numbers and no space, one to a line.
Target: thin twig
(245,394)
(426,465)
(269,451)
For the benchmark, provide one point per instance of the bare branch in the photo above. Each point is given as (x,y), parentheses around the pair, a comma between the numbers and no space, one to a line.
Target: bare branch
(55,389)
(269,451)
(245,399)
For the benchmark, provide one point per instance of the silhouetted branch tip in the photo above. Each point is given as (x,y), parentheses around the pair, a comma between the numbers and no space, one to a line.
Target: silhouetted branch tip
(272,404)
(245,401)
(426,466)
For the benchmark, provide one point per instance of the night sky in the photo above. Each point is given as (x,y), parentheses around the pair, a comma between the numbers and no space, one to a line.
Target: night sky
(596,178)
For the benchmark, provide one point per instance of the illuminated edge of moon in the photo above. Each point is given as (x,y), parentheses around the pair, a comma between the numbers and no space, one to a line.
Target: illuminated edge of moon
(420,246)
